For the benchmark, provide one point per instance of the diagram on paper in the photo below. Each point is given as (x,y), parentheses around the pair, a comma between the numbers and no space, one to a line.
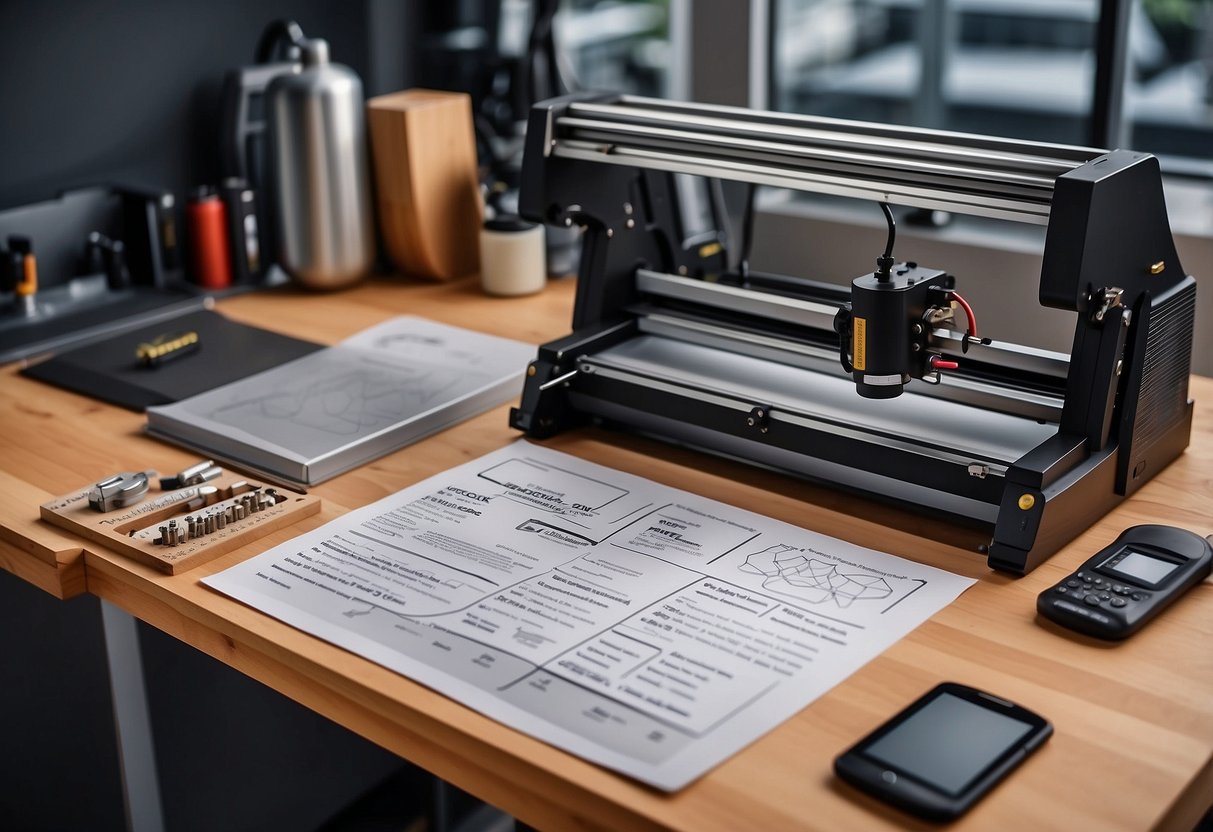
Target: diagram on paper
(350,404)
(788,571)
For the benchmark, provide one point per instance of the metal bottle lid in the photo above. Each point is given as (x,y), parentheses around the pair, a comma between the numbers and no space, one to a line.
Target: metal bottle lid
(315,52)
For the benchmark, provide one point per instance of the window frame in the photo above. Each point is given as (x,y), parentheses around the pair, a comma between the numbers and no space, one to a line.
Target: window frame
(1108,126)
(800,233)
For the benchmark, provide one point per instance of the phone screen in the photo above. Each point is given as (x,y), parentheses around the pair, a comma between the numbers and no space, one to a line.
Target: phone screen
(948,743)
(1142,566)
(943,752)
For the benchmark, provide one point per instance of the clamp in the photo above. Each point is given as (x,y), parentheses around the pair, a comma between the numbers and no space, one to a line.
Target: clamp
(119,491)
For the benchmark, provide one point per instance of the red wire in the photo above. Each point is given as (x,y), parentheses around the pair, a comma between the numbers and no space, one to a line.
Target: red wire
(964,304)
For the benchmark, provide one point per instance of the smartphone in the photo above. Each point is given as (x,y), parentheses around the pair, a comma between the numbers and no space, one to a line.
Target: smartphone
(942,753)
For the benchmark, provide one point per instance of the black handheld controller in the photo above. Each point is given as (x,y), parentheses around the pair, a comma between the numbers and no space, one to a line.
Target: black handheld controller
(1128,582)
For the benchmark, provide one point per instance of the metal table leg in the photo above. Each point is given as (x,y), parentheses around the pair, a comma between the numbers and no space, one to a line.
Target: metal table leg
(132,723)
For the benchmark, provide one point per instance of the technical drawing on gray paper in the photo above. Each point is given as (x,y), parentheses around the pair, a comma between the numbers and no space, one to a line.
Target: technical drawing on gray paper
(346,405)
(787,571)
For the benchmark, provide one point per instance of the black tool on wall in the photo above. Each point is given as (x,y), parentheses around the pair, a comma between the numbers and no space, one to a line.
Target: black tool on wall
(244,230)
(106,258)
(245,140)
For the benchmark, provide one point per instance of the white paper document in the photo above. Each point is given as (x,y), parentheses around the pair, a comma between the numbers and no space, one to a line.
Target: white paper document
(638,626)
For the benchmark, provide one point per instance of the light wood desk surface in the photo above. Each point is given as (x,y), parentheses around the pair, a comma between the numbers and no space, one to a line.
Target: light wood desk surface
(1133,747)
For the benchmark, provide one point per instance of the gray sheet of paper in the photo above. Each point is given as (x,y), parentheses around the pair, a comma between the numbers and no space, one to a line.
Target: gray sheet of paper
(313,418)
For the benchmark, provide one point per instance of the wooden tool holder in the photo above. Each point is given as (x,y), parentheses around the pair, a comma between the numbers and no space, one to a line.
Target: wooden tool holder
(250,510)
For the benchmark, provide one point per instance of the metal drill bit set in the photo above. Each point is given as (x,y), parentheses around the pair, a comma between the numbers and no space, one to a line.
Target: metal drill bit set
(200,513)
(217,517)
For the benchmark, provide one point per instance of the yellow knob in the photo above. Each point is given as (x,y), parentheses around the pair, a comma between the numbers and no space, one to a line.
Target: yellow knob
(1026,501)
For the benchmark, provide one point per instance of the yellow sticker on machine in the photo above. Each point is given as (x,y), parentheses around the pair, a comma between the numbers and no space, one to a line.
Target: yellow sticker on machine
(859,343)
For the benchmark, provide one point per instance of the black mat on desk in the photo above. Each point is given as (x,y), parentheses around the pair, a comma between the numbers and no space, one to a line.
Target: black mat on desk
(227,351)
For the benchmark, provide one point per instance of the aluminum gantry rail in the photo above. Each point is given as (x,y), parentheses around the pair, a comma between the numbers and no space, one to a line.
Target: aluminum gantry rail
(960,172)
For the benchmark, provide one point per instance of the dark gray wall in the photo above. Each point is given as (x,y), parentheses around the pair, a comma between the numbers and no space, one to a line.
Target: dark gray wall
(102,91)
(231,753)
(234,755)
(58,753)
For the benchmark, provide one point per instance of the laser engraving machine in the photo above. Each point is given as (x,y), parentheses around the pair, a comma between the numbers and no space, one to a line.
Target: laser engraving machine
(880,389)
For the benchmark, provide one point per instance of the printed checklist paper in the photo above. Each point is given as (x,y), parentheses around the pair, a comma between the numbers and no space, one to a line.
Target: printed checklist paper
(641,627)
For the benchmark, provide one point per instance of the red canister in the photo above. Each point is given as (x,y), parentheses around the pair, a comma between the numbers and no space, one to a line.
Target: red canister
(210,251)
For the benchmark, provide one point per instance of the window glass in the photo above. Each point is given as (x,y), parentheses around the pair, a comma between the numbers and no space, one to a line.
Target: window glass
(617,45)
(1018,68)
(1169,93)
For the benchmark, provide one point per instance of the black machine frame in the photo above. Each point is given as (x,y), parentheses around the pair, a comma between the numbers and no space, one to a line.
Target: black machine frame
(1119,409)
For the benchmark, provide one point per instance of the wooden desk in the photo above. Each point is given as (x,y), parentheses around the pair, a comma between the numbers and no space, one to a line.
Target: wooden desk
(1133,747)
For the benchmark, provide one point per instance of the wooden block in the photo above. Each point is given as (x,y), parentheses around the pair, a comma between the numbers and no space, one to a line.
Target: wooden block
(427,184)
(134,531)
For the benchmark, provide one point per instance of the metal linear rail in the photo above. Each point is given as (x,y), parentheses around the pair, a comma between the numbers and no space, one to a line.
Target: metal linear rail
(921,168)
(819,315)
(956,387)
(940,429)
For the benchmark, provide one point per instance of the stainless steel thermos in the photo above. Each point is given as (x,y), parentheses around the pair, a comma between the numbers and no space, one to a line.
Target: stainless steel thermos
(320,179)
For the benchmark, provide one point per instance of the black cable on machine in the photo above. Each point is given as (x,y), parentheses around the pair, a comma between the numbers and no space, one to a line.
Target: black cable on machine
(884,263)
(542,68)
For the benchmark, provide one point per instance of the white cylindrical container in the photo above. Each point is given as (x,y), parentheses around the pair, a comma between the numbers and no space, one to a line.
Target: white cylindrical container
(512,257)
